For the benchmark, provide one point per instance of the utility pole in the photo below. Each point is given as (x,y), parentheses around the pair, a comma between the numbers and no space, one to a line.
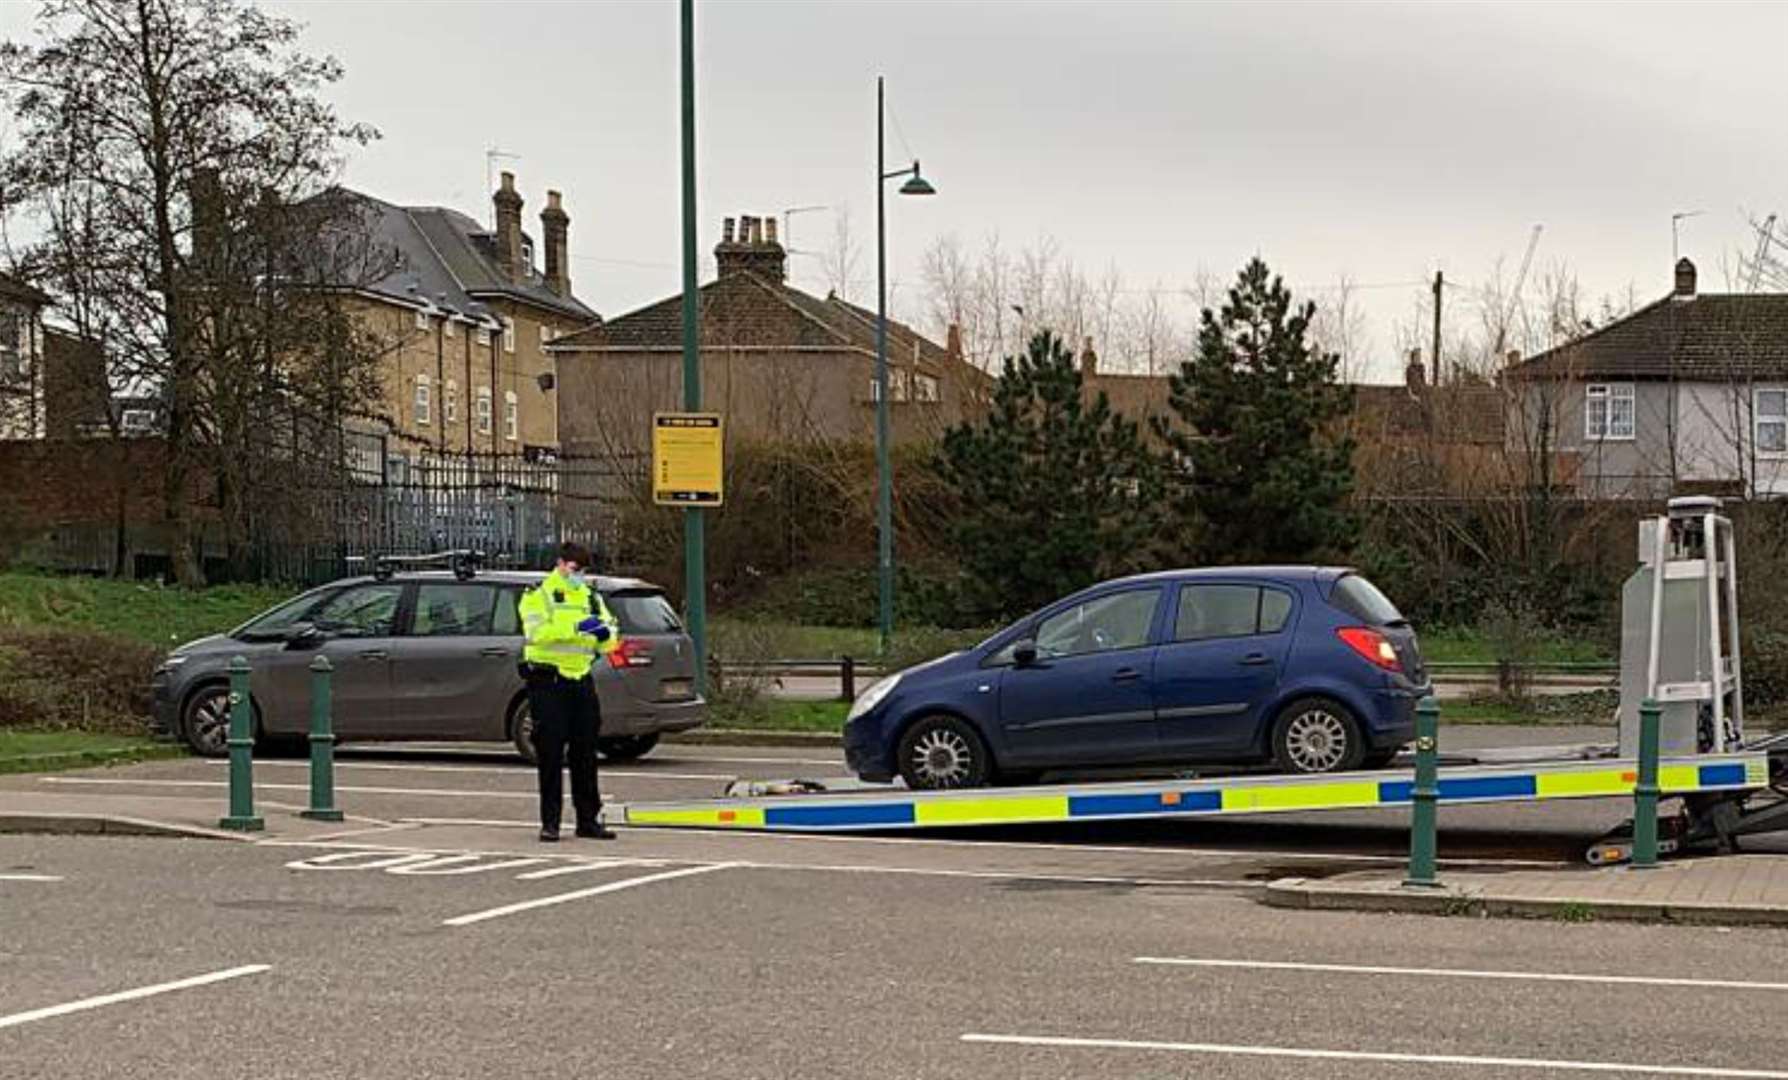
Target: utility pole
(695,590)
(1439,282)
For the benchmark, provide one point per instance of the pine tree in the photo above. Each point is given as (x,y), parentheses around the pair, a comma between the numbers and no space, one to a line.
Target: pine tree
(1259,467)
(1055,492)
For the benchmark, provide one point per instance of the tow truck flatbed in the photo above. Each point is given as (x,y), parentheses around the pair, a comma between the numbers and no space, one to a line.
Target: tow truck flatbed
(1721,777)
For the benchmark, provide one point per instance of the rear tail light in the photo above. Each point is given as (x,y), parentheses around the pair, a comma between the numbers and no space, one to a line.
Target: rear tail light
(1373,646)
(632,653)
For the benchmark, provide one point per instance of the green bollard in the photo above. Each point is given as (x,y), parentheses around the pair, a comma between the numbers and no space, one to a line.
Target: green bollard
(322,745)
(1422,824)
(242,750)
(1645,792)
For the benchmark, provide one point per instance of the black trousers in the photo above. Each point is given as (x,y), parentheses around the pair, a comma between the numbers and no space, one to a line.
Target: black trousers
(565,712)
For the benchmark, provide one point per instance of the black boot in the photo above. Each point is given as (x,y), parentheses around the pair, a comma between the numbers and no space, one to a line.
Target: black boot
(549,834)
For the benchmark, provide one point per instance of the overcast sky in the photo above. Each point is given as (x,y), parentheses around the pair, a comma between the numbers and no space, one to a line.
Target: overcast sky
(1375,141)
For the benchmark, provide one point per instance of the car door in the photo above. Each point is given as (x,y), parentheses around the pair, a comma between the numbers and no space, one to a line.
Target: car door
(1225,655)
(453,670)
(359,624)
(1087,698)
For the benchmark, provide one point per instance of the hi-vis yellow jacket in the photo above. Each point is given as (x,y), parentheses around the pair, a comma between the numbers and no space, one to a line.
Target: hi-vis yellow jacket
(550,613)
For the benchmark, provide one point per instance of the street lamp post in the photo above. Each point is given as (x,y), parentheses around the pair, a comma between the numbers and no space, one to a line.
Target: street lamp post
(884,464)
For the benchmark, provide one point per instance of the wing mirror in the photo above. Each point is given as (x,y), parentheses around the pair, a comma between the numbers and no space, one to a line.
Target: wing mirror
(304,636)
(1024,653)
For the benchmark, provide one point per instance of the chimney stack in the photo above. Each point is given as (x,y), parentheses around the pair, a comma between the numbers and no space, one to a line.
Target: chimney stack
(508,204)
(953,341)
(1685,279)
(555,227)
(1414,376)
(751,248)
(1089,360)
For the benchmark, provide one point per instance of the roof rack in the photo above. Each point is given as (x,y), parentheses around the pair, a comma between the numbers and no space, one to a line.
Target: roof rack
(464,562)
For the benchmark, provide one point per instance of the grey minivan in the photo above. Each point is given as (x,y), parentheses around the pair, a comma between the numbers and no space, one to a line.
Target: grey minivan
(428,655)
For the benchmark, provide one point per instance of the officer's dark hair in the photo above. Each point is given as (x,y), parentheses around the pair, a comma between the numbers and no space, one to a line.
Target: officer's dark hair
(572,552)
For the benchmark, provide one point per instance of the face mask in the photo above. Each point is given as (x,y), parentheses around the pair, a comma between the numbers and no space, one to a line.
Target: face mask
(576,579)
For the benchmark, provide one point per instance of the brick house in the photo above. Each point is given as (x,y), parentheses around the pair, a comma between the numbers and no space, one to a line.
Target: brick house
(465,317)
(22,405)
(1689,393)
(782,365)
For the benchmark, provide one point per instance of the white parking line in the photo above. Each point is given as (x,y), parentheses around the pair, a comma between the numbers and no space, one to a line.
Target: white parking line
(131,995)
(599,890)
(517,770)
(584,868)
(1460,973)
(1235,1050)
(455,865)
(29,877)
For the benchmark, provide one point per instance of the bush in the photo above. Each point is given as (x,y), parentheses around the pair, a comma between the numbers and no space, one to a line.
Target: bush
(932,593)
(74,679)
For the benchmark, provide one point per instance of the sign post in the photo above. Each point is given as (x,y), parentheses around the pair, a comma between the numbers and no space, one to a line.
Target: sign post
(688,459)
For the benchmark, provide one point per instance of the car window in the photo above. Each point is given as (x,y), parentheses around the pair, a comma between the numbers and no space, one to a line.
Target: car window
(1102,624)
(642,611)
(506,620)
(1361,599)
(1217,611)
(362,611)
(275,623)
(1275,610)
(454,610)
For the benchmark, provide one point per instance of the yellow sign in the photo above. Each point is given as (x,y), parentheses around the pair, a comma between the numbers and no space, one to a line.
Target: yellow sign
(687,459)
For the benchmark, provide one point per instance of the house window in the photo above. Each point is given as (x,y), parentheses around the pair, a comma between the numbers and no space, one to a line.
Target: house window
(422,399)
(484,335)
(1608,411)
(449,328)
(450,402)
(421,319)
(508,334)
(897,389)
(546,335)
(136,421)
(527,258)
(924,388)
(483,407)
(12,345)
(511,419)
(1770,414)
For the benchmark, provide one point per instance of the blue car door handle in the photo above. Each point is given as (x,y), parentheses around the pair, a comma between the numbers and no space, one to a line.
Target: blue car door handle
(1125,674)
(1254,659)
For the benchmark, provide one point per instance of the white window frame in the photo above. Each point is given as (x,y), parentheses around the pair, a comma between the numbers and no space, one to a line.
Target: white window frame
(483,335)
(508,334)
(1598,412)
(483,410)
(1775,419)
(424,405)
(449,328)
(546,335)
(421,319)
(925,387)
(511,416)
(136,421)
(450,402)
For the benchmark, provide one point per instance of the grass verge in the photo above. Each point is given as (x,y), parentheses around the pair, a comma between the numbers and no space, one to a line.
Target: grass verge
(772,714)
(159,615)
(49,751)
(1593,708)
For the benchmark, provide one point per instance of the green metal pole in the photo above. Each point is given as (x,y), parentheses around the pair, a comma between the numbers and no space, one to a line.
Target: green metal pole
(694,526)
(242,750)
(884,466)
(1645,792)
(1422,825)
(322,744)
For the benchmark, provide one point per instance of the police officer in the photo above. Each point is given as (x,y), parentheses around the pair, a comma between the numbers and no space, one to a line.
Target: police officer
(566,625)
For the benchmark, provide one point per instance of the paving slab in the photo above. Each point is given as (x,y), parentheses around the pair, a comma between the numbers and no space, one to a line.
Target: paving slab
(27,811)
(1719,890)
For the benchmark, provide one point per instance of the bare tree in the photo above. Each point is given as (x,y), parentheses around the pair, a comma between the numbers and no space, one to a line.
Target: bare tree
(130,105)
(842,256)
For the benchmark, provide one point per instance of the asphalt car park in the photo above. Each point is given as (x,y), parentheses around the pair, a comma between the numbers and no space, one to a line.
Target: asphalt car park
(350,958)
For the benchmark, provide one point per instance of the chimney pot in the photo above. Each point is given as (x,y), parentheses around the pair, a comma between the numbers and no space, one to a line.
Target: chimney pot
(747,249)
(1685,279)
(770,226)
(508,204)
(953,340)
(726,231)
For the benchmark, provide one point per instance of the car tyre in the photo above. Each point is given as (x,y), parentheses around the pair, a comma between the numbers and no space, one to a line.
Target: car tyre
(521,731)
(205,723)
(942,752)
(1317,735)
(626,748)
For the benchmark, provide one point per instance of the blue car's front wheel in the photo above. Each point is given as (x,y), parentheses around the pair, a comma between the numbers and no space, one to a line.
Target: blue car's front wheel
(940,752)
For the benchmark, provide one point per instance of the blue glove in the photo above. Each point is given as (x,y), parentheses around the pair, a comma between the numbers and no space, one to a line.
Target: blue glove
(595,627)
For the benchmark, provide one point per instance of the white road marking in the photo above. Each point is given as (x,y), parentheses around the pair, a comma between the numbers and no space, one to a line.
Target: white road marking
(584,868)
(453,865)
(29,877)
(381,828)
(598,890)
(362,859)
(261,785)
(131,995)
(1233,1050)
(1459,973)
(1020,845)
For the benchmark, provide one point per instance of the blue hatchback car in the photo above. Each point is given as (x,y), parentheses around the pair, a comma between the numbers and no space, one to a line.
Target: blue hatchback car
(1309,668)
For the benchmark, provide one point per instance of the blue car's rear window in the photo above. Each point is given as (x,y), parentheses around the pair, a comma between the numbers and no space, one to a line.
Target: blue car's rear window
(1361,599)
